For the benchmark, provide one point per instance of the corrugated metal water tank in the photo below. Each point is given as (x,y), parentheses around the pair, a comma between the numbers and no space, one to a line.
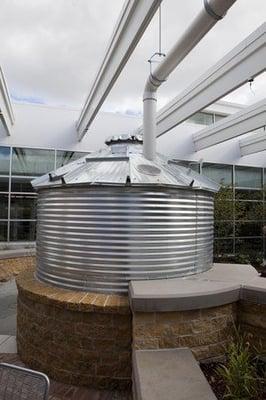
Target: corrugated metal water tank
(114,216)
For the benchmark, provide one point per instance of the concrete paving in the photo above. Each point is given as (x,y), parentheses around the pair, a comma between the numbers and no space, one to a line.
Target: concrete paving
(8,308)
(8,344)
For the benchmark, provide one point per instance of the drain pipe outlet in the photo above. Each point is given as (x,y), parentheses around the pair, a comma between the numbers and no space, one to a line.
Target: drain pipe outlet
(212,12)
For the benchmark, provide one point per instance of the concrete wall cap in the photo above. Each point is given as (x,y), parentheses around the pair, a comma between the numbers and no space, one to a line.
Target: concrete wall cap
(17,253)
(224,284)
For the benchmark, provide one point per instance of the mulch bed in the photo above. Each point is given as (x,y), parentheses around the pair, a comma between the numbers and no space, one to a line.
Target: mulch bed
(11,267)
(61,391)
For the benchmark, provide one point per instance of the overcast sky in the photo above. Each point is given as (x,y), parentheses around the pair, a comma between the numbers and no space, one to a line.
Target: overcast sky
(51,49)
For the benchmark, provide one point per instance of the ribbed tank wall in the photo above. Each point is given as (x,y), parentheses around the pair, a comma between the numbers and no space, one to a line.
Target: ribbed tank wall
(100,238)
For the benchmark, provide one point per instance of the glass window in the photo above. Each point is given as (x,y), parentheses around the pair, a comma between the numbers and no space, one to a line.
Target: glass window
(3,231)
(250,246)
(22,230)
(4,181)
(202,118)
(223,210)
(65,157)
(248,194)
(219,173)
(249,210)
(248,177)
(21,184)
(218,117)
(246,229)
(23,206)
(223,229)
(32,162)
(4,160)
(4,206)
(223,246)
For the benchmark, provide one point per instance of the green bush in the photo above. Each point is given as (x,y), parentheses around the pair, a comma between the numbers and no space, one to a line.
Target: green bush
(240,372)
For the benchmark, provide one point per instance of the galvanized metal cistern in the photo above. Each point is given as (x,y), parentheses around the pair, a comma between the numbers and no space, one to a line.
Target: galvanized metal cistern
(125,213)
(113,217)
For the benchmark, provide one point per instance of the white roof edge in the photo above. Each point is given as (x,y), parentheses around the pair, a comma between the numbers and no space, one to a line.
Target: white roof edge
(6,110)
(244,121)
(255,143)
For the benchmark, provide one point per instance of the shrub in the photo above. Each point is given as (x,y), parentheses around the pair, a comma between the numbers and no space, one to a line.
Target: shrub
(240,372)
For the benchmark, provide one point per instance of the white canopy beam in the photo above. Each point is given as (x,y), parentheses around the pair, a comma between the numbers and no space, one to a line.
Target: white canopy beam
(244,121)
(6,112)
(253,144)
(133,20)
(245,61)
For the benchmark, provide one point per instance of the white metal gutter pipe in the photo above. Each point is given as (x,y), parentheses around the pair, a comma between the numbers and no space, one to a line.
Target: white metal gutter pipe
(213,11)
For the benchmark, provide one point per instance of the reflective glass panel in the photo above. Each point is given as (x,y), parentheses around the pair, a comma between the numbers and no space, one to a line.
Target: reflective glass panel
(32,162)
(23,206)
(3,231)
(202,118)
(248,210)
(246,229)
(65,157)
(248,194)
(223,229)
(250,246)
(3,206)
(223,246)
(248,177)
(4,180)
(223,210)
(22,230)
(219,173)
(4,160)
(218,117)
(21,184)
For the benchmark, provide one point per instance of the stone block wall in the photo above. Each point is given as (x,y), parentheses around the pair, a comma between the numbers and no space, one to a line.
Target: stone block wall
(252,320)
(206,332)
(75,337)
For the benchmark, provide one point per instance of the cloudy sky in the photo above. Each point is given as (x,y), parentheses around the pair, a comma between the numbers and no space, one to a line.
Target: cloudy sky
(51,49)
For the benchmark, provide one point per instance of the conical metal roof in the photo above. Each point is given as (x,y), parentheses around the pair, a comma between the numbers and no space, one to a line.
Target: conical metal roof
(122,163)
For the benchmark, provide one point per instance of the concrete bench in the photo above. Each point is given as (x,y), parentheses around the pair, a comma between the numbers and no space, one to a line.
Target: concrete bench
(170,374)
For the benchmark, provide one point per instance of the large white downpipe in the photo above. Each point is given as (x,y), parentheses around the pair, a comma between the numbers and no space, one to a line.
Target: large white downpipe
(213,11)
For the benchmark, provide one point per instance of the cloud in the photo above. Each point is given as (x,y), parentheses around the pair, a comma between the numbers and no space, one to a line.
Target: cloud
(51,50)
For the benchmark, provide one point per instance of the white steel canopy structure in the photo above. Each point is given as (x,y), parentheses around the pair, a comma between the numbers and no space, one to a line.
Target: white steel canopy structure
(133,20)
(6,112)
(245,61)
(246,120)
(256,143)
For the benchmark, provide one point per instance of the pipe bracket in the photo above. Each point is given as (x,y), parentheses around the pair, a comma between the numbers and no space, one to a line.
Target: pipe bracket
(210,11)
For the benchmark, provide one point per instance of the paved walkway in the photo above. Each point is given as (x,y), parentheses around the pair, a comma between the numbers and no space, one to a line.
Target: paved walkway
(8,344)
(8,308)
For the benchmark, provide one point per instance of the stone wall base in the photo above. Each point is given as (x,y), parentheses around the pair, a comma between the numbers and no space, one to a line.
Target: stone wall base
(206,332)
(74,337)
(86,338)
(252,320)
